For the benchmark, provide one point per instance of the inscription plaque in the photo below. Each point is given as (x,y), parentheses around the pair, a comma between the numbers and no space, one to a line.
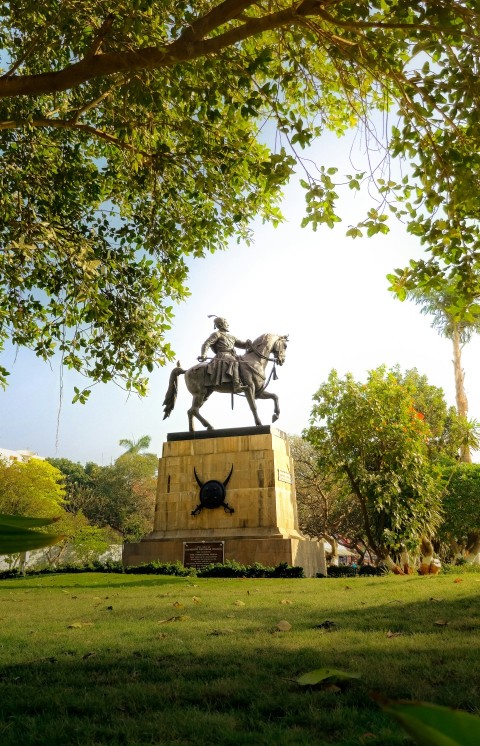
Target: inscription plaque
(199,554)
(284,476)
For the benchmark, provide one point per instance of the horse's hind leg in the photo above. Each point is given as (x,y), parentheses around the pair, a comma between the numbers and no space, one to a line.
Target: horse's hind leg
(250,395)
(269,395)
(197,402)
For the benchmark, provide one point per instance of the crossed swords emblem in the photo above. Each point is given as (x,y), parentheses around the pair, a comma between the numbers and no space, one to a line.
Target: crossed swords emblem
(212,494)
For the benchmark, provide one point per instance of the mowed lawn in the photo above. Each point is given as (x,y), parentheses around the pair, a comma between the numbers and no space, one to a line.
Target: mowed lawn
(132,659)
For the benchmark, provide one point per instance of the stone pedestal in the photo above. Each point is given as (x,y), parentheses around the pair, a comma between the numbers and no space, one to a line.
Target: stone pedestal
(264,525)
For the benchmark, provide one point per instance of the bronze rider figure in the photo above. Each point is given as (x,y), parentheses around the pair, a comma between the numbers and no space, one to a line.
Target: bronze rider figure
(224,367)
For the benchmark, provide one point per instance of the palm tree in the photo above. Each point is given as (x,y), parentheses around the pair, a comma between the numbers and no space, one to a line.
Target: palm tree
(134,447)
(441,305)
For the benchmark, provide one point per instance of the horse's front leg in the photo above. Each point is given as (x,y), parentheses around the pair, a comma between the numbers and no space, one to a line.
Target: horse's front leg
(197,402)
(276,406)
(250,395)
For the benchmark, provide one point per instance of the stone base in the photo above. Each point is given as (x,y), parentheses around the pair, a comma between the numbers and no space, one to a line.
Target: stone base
(270,552)
(259,523)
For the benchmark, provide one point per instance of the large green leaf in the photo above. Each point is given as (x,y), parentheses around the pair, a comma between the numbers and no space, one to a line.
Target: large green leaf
(432,725)
(23,521)
(16,534)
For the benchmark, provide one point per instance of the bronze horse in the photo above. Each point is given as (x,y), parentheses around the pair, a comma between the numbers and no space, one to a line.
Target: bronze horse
(252,374)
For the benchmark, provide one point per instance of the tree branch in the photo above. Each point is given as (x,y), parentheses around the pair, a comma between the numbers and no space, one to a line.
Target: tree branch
(70,124)
(363,25)
(88,106)
(101,35)
(226,11)
(191,45)
(363,508)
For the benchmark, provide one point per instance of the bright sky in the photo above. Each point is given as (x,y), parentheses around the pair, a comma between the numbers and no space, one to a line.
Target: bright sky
(327,291)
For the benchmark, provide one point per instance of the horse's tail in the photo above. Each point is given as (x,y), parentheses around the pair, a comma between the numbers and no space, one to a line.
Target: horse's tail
(171,395)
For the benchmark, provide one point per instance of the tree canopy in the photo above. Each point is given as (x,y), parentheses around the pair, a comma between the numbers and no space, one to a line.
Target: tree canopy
(377,442)
(136,134)
(325,505)
(121,496)
(460,530)
(31,488)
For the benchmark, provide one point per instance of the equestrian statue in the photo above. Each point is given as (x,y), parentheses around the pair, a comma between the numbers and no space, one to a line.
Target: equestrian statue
(228,372)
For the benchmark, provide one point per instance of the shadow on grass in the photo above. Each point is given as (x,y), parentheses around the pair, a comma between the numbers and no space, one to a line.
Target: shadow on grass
(224,676)
(88,580)
(150,697)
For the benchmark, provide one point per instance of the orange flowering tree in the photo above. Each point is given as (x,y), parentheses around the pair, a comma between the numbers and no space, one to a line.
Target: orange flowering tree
(377,441)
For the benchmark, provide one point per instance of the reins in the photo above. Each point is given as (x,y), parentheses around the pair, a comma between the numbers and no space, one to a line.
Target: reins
(273,372)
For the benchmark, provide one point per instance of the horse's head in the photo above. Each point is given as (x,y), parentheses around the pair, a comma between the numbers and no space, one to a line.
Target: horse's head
(279,349)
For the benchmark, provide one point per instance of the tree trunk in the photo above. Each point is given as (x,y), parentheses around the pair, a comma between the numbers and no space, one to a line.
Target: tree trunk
(334,555)
(460,394)
(22,562)
(473,548)
(392,566)
(406,562)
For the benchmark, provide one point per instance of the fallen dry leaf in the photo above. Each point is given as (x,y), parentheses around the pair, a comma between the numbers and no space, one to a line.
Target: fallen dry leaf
(239,603)
(284,626)
(196,600)
(221,632)
(458,580)
(394,634)
(180,618)
(325,676)
(285,601)
(178,605)
(436,599)
(441,623)
(331,688)
(88,655)
(78,625)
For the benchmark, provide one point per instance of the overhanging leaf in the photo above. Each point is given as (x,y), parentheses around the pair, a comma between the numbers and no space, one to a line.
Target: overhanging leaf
(23,521)
(432,725)
(16,534)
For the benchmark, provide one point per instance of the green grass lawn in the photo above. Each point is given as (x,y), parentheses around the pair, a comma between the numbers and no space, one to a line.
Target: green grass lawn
(131,659)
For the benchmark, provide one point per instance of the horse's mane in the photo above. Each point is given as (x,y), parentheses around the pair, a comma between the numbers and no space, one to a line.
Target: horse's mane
(262,339)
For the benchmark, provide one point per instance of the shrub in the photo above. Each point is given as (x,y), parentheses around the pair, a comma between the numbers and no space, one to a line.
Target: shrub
(283,570)
(160,568)
(341,571)
(232,569)
(228,569)
(257,570)
(461,569)
(370,570)
(5,574)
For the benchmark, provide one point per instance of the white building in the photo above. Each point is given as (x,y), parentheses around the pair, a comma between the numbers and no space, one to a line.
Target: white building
(25,455)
